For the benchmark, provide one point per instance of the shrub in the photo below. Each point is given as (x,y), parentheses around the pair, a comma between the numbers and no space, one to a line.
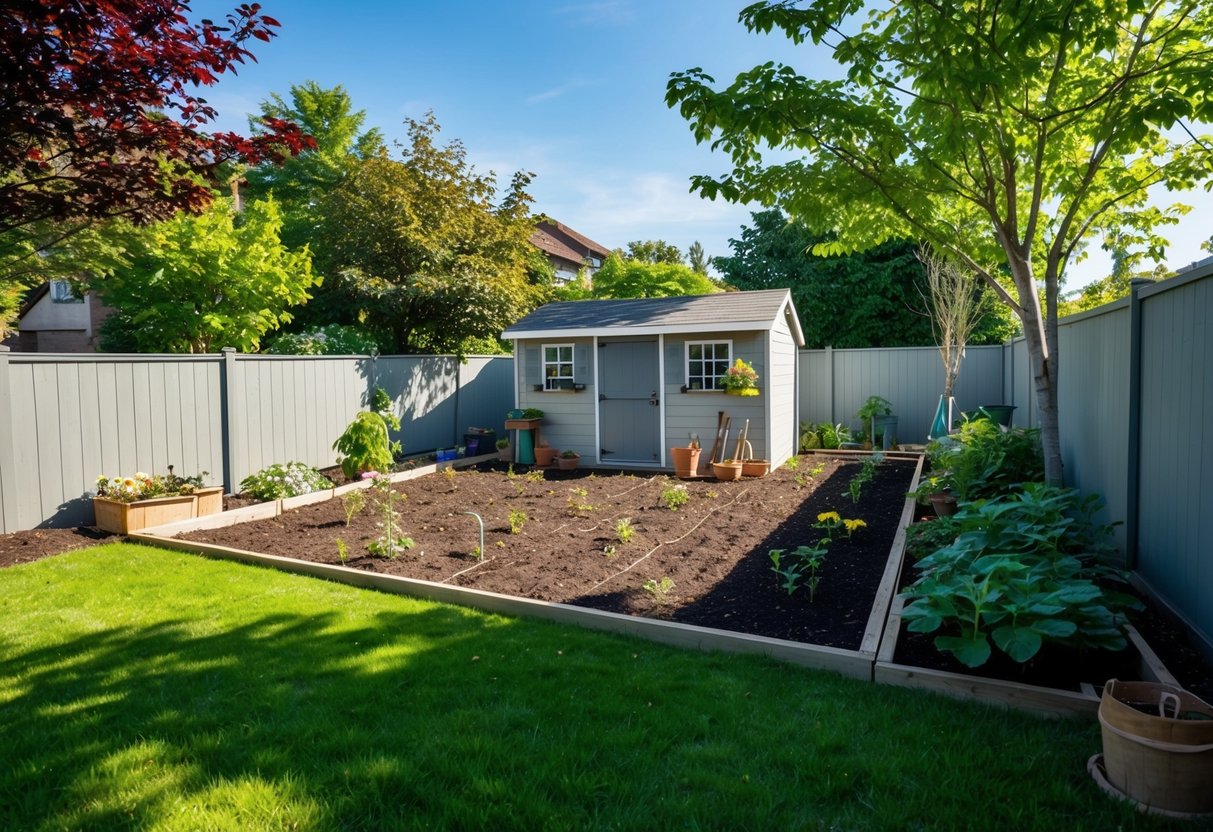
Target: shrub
(983,461)
(280,480)
(366,444)
(332,339)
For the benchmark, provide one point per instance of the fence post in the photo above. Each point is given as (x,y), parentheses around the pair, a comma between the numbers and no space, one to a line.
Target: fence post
(1133,474)
(830,379)
(231,414)
(8,462)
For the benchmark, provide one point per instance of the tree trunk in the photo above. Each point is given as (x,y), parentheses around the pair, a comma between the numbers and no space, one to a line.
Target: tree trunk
(1042,361)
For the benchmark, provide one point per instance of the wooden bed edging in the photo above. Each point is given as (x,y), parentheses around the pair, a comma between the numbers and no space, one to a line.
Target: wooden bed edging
(1047,701)
(879,616)
(850,663)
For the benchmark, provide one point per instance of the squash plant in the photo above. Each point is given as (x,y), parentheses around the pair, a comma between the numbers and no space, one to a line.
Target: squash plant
(1024,570)
(366,444)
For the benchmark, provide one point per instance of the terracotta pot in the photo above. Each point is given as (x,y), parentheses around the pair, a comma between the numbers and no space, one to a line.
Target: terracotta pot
(755,467)
(726,471)
(545,455)
(943,503)
(686,461)
(568,463)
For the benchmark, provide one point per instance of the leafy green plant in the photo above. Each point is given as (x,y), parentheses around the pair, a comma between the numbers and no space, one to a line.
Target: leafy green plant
(624,530)
(532,413)
(810,439)
(675,496)
(366,444)
(800,564)
(393,542)
(535,475)
(282,480)
(517,519)
(793,463)
(866,472)
(1024,570)
(502,444)
(982,460)
(342,550)
(874,406)
(832,436)
(660,590)
(817,470)
(353,502)
(924,538)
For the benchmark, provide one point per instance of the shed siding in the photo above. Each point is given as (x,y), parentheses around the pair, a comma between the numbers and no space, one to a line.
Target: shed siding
(696,412)
(568,416)
(780,385)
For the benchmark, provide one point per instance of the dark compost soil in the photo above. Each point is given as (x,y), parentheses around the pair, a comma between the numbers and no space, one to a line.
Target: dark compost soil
(714,548)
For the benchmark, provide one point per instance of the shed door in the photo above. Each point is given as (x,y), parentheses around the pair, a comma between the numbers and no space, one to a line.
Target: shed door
(628,405)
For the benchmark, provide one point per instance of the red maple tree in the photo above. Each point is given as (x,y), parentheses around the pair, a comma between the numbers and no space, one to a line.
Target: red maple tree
(99,111)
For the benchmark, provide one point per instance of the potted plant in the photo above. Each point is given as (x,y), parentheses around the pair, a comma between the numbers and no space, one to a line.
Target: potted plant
(504,452)
(727,470)
(875,406)
(567,461)
(544,455)
(527,419)
(741,380)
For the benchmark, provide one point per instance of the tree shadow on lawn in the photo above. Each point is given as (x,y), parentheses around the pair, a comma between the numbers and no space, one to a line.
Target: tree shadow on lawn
(441,717)
(750,599)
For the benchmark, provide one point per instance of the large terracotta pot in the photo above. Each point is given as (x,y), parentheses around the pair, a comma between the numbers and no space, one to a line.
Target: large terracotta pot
(544,455)
(568,463)
(686,461)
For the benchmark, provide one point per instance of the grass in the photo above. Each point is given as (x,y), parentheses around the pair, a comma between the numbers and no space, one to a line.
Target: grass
(146,689)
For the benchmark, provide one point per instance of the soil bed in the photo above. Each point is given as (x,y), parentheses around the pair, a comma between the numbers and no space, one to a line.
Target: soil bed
(714,548)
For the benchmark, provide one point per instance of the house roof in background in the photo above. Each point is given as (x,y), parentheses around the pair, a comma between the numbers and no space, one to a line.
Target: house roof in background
(558,240)
(722,312)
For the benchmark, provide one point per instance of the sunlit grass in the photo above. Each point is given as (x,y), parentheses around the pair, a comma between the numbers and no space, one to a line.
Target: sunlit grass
(146,689)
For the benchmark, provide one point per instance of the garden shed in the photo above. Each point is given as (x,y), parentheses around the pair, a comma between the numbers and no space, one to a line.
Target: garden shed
(622,381)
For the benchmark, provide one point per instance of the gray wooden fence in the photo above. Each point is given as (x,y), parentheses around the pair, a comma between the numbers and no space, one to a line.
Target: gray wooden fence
(1135,394)
(65,419)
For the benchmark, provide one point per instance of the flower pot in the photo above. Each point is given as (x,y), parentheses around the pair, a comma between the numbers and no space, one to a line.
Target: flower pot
(1158,745)
(210,500)
(726,471)
(568,463)
(505,454)
(755,467)
(544,455)
(686,461)
(943,503)
(124,518)
(749,391)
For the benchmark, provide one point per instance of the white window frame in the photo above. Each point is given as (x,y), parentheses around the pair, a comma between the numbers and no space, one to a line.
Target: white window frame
(552,382)
(62,292)
(700,377)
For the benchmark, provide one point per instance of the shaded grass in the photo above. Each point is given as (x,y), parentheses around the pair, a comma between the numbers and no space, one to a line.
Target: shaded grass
(146,689)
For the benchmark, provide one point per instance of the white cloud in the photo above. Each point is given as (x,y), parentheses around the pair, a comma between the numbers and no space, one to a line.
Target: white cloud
(556,92)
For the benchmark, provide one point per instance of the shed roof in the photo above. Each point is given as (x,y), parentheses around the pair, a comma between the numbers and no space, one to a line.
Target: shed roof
(723,312)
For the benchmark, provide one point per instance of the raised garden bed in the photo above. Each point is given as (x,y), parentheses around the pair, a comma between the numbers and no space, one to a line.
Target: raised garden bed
(714,550)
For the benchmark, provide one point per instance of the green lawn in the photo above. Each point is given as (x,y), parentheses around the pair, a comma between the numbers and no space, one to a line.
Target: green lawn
(145,689)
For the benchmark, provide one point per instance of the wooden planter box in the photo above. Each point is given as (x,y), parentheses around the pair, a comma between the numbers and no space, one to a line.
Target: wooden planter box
(522,424)
(124,518)
(210,500)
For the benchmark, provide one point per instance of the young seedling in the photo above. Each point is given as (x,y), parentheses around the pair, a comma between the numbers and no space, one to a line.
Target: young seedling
(793,463)
(342,552)
(353,502)
(674,496)
(577,503)
(517,519)
(660,590)
(624,529)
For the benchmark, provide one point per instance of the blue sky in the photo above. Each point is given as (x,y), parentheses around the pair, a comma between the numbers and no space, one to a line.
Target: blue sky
(571,91)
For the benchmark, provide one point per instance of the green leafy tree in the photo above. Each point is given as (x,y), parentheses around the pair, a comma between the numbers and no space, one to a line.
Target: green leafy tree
(421,255)
(696,258)
(301,182)
(200,283)
(1007,135)
(333,339)
(844,300)
(654,251)
(620,278)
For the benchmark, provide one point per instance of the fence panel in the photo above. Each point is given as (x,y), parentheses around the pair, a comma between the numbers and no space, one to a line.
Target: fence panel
(1175,467)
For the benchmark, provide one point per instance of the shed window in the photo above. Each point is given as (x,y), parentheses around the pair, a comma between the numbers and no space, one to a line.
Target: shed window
(707,364)
(557,366)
